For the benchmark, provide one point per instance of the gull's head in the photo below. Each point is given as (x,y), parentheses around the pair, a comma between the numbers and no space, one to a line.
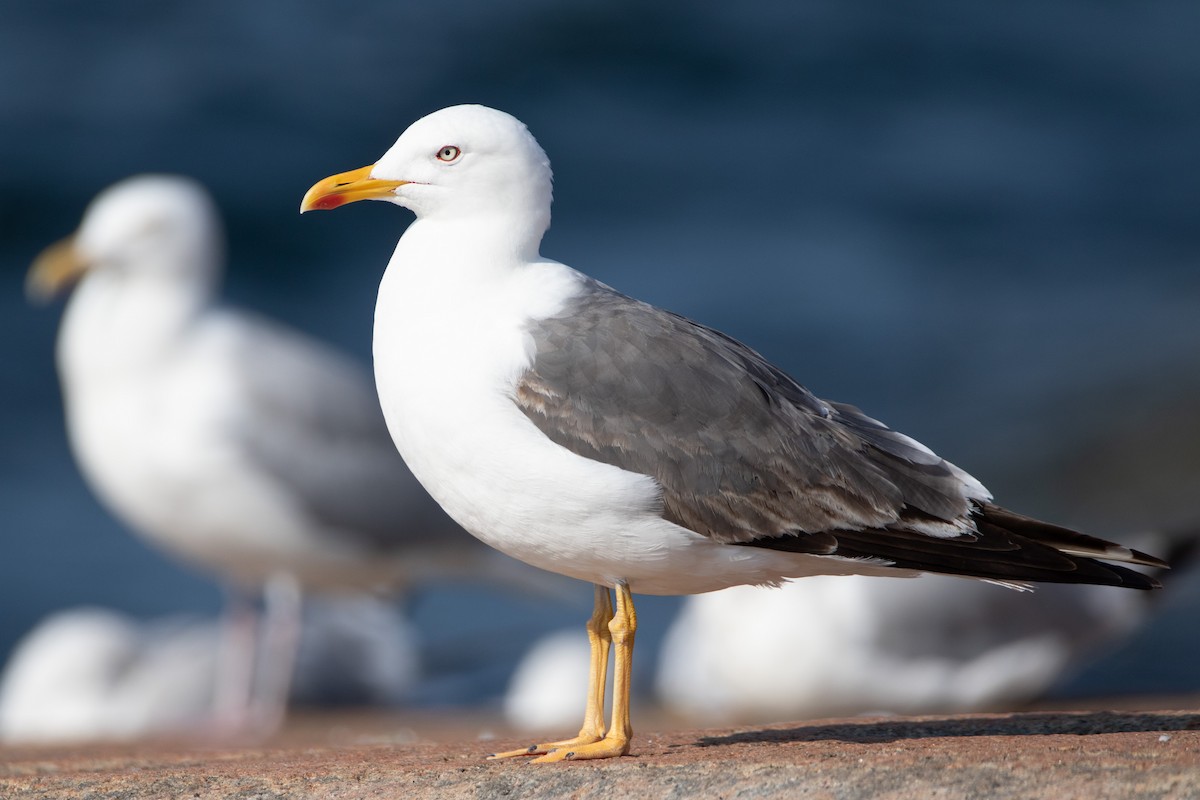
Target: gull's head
(148,226)
(462,161)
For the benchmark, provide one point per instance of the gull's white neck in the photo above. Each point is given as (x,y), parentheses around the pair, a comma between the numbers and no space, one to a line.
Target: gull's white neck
(122,344)
(451,284)
(471,246)
(116,323)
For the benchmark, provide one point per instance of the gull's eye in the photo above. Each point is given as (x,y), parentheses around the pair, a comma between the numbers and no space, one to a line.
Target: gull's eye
(449,154)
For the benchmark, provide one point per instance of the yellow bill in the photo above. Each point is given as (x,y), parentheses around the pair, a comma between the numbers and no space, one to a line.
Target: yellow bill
(346,187)
(58,266)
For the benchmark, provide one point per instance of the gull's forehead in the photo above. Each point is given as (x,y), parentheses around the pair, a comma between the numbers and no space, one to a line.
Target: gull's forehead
(510,154)
(131,206)
(149,196)
(477,127)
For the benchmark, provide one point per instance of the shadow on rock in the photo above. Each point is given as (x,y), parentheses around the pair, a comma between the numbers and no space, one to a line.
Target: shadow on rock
(875,731)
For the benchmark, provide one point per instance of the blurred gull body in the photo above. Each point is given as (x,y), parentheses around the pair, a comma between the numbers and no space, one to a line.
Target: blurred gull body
(543,692)
(229,441)
(89,674)
(826,647)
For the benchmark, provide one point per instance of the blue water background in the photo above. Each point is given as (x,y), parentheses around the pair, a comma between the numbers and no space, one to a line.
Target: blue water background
(978,222)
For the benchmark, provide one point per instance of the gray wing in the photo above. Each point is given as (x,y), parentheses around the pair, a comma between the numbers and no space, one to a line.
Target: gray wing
(741,450)
(745,455)
(313,423)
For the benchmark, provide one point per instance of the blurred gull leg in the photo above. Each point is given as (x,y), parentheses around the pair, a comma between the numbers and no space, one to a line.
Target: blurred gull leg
(233,683)
(283,601)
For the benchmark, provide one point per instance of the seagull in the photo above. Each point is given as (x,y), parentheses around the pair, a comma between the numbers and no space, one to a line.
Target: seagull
(593,435)
(942,646)
(94,674)
(233,443)
(89,673)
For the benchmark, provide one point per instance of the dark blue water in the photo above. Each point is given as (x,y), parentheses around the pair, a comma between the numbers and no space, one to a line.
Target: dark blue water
(981,224)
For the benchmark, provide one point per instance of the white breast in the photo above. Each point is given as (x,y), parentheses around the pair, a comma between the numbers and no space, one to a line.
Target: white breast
(448,353)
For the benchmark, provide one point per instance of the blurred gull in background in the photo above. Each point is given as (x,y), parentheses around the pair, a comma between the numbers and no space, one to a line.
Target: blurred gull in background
(824,648)
(543,692)
(89,674)
(234,444)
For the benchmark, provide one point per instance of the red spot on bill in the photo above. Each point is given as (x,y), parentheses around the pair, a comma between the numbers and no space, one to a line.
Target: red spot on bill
(329,201)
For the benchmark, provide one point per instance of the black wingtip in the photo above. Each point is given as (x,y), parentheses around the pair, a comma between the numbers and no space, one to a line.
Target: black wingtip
(1005,547)
(1147,560)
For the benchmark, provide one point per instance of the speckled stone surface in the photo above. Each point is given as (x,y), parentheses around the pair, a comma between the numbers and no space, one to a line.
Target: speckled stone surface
(1093,754)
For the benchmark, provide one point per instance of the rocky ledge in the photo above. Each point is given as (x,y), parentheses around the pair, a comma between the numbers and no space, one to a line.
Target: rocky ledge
(1093,754)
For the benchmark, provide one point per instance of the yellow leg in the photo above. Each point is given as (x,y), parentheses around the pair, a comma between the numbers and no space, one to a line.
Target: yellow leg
(593,719)
(616,742)
(600,639)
